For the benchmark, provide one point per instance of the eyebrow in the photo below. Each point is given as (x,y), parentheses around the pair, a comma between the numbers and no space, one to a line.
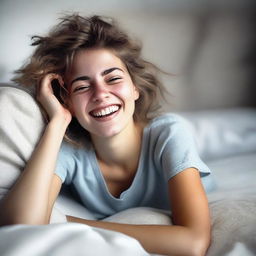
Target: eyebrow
(105,72)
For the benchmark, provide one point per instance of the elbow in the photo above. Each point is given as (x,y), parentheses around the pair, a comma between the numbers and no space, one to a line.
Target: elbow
(199,246)
(12,214)
(6,220)
(198,250)
(31,220)
(194,248)
(22,222)
(18,220)
(14,217)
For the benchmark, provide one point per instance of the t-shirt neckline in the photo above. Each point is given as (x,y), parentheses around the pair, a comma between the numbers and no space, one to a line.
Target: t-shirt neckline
(126,193)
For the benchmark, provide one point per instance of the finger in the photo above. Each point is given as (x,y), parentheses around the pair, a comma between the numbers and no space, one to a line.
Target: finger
(46,84)
(60,79)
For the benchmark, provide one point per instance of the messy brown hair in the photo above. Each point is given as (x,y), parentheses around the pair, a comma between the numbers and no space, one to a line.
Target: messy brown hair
(54,54)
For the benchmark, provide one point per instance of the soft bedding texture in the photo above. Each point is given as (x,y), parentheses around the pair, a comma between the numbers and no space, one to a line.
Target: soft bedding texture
(224,132)
(226,140)
(21,125)
(66,239)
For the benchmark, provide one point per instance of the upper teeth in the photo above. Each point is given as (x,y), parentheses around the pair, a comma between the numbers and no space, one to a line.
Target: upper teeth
(106,111)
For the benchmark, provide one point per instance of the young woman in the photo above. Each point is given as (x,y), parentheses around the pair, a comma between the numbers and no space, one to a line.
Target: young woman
(101,95)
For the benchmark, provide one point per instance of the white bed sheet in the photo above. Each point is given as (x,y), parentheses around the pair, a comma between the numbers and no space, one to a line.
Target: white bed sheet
(233,206)
(65,240)
(235,176)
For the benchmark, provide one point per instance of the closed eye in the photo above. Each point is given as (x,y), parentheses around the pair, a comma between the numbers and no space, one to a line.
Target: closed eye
(81,88)
(114,79)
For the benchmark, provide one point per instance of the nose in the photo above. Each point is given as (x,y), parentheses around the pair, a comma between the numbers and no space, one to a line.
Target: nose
(100,92)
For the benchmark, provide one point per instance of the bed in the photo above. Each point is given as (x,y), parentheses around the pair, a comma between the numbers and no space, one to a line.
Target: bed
(226,140)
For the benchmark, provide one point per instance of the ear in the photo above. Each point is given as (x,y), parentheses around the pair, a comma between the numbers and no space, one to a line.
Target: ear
(136,93)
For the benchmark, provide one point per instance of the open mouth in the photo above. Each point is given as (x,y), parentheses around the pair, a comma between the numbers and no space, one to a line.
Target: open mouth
(104,112)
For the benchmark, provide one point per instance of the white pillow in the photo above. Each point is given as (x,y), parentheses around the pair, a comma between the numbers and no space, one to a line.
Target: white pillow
(21,126)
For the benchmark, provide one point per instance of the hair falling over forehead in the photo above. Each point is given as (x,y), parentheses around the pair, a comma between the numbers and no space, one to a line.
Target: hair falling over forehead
(54,54)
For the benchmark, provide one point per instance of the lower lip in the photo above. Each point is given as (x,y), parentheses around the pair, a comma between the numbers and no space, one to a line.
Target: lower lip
(107,118)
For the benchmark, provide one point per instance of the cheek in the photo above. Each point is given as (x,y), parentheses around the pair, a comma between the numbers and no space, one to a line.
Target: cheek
(127,92)
(77,104)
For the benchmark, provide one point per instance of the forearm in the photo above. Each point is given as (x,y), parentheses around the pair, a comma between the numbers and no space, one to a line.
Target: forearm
(27,201)
(159,239)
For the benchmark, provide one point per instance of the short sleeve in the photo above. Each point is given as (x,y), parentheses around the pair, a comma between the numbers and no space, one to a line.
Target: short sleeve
(177,148)
(65,166)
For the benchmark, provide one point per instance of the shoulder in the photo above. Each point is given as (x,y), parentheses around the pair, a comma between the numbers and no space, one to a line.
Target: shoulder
(71,160)
(173,144)
(168,125)
(168,119)
(167,134)
(70,152)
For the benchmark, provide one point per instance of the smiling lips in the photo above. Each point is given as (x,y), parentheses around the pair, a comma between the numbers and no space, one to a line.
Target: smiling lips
(104,112)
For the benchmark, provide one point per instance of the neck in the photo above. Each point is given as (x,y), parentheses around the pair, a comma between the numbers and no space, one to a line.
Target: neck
(122,149)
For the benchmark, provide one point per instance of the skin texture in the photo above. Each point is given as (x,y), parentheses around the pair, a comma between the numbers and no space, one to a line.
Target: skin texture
(101,80)
(98,80)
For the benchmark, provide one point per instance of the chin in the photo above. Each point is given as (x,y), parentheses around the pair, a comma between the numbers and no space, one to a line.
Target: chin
(109,134)
(106,133)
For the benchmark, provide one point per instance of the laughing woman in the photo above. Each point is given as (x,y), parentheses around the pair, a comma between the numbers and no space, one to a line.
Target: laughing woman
(101,96)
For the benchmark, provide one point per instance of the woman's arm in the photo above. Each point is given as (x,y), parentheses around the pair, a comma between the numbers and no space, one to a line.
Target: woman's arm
(190,234)
(32,196)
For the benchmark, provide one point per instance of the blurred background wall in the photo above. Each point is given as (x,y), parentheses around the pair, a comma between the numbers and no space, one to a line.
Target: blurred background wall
(210,45)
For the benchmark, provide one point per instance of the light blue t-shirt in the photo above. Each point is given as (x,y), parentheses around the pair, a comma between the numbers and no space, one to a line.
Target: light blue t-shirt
(168,147)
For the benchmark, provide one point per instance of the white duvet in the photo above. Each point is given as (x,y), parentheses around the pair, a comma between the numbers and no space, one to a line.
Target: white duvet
(65,240)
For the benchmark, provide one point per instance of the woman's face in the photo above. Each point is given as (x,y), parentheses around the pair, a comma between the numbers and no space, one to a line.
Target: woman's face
(102,94)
